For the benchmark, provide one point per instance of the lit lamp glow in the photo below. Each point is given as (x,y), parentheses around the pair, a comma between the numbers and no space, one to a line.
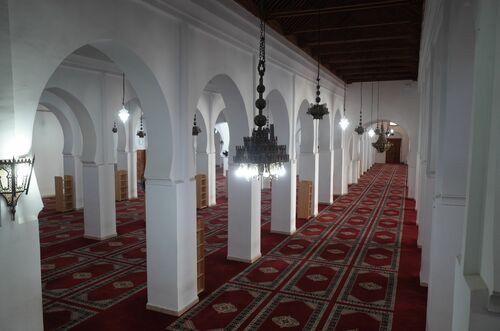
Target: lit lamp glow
(371,133)
(123,114)
(15,177)
(344,123)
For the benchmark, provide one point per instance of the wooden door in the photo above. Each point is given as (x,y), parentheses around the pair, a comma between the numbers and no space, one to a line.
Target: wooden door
(393,155)
(141,164)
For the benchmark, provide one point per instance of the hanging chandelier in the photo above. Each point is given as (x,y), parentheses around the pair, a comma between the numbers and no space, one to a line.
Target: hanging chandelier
(123,113)
(260,154)
(382,144)
(317,110)
(141,133)
(359,129)
(196,129)
(344,122)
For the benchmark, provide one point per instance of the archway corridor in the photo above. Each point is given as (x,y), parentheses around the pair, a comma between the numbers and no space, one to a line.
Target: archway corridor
(355,265)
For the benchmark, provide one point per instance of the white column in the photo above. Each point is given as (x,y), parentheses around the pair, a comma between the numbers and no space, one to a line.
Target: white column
(99,195)
(123,163)
(132,175)
(73,167)
(243,218)
(339,179)
(325,185)
(283,207)
(171,245)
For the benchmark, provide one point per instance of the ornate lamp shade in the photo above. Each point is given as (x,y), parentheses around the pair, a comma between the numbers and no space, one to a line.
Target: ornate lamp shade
(317,111)
(359,129)
(261,155)
(15,177)
(141,133)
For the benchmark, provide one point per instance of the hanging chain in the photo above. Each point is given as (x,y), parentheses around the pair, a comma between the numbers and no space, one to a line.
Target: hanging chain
(318,99)
(361,106)
(260,120)
(345,95)
(123,89)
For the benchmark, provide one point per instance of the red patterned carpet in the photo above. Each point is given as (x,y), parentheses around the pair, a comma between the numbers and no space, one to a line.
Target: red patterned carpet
(354,267)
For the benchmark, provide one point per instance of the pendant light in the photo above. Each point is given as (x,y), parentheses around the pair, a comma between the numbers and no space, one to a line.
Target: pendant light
(141,133)
(260,155)
(359,129)
(114,129)
(317,111)
(123,113)
(196,129)
(344,122)
(371,132)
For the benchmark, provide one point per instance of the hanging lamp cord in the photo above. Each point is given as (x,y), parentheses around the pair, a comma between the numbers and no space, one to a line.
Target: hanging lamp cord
(123,89)
(361,106)
(378,101)
(345,95)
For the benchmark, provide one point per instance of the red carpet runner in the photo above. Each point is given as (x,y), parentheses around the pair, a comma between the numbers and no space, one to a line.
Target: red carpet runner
(354,267)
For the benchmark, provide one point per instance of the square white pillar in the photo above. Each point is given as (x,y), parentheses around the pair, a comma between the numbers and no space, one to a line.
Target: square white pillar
(325,185)
(283,203)
(171,245)
(243,218)
(99,201)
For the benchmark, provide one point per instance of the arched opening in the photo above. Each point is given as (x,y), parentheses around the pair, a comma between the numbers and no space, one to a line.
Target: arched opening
(93,99)
(397,136)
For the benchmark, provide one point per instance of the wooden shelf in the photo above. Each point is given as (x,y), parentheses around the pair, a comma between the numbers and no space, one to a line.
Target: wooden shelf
(121,185)
(200,254)
(64,193)
(304,204)
(201,191)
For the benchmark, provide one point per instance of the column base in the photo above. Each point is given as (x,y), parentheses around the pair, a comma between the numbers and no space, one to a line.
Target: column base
(87,236)
(239,259)
(288,233)
(160,309)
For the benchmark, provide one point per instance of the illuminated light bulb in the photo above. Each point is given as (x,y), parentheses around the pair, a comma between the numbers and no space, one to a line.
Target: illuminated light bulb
(281,171)
(344,123)
(371,133)
(123,114)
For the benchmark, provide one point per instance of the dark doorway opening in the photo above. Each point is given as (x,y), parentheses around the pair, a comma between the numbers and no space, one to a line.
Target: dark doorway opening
(393,155)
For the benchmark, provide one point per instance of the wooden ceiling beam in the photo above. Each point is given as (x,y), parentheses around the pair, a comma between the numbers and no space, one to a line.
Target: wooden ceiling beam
(375,72)
(337,8)
(388,64)
(359,40)
(371,50)
(349,27)
(368,59)
(379,78)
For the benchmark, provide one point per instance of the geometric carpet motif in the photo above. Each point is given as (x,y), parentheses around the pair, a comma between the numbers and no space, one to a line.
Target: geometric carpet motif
(352,267)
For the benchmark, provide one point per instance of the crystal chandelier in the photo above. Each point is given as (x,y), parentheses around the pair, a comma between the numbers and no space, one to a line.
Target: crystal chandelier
(382,144)
(317,111)
(196,129)
(359,129)
(123,113)
(260,154)
(141,133)
(344,122)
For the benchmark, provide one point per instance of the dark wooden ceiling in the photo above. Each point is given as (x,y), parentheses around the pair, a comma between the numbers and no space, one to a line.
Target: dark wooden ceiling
(361,40)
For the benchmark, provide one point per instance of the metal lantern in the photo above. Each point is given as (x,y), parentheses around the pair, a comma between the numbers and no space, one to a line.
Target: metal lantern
(15,177)
(141,133)
(114,129)
(359,129)
(196,129)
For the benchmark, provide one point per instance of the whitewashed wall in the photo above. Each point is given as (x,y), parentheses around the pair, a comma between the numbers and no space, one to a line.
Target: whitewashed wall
(48,141)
